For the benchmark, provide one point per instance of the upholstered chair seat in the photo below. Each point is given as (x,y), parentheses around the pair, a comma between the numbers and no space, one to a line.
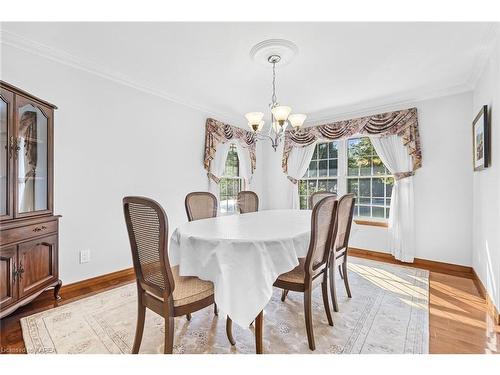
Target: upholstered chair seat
(297,275)
(189,289)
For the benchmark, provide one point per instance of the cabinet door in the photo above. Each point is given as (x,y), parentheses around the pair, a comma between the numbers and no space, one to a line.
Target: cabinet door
(6,154)
(37,264)
(33,159)
(8,285)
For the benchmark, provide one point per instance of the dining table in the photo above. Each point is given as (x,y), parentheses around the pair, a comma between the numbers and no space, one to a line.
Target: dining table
(242,255)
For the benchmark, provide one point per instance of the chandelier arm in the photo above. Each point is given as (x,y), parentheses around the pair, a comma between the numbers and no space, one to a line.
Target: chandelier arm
(275,142)
(263,137)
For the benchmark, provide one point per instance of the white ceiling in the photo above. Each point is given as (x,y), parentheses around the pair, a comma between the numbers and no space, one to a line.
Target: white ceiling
(339,66)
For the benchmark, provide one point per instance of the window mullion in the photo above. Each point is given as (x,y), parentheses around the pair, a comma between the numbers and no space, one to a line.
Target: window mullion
(342,168)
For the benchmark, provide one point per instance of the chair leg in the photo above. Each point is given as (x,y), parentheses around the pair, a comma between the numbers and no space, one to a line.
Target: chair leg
(229,330)
(259,333)
(324,291)
(346,279)
(188,317)
(340,272)
(139,330)
(216,310)
(308,317)
(333,290)
(169,335)
(283,295)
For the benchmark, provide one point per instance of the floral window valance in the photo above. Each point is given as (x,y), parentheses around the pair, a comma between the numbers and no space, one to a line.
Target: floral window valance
(217,132)
(403,123)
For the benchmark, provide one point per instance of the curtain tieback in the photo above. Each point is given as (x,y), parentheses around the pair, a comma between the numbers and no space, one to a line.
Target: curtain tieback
(400,175)
(293,180)
(213,177)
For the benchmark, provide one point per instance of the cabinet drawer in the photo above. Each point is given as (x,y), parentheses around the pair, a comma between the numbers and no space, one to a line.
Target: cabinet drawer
(28,231)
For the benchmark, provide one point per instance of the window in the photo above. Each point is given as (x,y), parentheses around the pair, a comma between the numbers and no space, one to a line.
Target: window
(369,179)
(230,184)
(350,166)
(322,173)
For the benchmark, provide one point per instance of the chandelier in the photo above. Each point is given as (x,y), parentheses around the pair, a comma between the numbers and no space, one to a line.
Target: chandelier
(281,115)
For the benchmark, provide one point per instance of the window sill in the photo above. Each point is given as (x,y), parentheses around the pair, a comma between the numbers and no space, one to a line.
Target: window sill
(372,223)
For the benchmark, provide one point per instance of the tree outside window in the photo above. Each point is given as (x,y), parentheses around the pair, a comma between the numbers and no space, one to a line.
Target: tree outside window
(360,172)
(322,173)
(368,179)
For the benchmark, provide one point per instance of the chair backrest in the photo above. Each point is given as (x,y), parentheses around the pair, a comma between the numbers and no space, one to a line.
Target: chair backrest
(319,195)
(200,205)
(248,201)
(147,227)
(322,234)
(345,211)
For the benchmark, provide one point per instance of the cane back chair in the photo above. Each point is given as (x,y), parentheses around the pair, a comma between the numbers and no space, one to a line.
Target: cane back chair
(345,210)
(248,201)
(159,286)
(314,267)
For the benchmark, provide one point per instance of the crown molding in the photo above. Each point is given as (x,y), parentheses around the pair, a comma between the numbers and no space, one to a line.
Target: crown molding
(361,108)
(486,47)
(39,49)
(384,104)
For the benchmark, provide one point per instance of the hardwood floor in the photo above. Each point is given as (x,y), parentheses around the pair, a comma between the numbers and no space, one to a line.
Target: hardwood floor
(458,320)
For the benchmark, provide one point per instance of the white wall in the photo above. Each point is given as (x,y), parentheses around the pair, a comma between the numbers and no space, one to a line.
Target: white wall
(486,184)
(110,141)
(442,186)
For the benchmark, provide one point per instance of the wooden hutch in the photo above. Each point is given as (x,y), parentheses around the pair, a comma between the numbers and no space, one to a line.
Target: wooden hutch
(28,226)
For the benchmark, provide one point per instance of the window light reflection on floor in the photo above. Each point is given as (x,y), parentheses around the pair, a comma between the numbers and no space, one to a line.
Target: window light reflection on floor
(388,281)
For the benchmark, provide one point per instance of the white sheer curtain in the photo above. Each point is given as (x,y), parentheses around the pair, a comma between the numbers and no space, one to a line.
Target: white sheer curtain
(245,163)
(217,166)
(298,162)
(395,157)
(219,162)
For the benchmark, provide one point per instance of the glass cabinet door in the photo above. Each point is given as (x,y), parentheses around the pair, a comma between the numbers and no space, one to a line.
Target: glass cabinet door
(6,99)
(32,164)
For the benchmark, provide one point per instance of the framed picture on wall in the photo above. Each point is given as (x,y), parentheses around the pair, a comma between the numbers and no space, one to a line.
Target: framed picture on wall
(481,140)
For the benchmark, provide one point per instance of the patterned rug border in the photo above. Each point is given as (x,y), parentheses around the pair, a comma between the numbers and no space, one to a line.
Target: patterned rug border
(419,272)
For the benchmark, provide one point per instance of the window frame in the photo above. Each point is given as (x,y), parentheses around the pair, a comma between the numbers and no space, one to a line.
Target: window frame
(240,180)
(371,177)
(342,180)
(317,178)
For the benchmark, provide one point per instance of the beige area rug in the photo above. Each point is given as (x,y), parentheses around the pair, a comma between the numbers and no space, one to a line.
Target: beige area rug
(389,313)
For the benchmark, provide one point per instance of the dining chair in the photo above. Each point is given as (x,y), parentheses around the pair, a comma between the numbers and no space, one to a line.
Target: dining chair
(319,195)
(201,205)
(314,267)
(160,288)
(345,210)
(313,199)
(248,201)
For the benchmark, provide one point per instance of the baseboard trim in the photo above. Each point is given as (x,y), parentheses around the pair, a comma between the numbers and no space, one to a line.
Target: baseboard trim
(120,276)
(128,274)
(430,265)
(490,306)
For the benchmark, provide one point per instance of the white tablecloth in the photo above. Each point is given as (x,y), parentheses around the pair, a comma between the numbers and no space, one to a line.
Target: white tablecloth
(242,255)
